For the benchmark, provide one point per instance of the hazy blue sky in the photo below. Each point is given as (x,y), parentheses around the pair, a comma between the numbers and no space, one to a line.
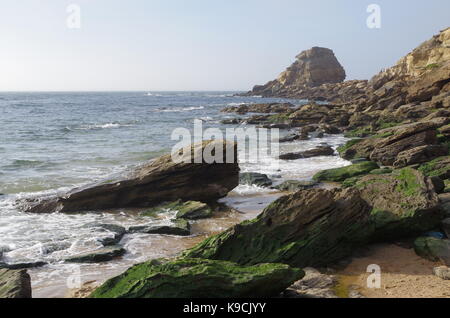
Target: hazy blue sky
(199,44)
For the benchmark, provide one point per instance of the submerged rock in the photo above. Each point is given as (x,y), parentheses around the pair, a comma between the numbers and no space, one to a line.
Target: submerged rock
(198,278)
(104,254)
(160,180)
(254,178)
(22,265)
(308,228)
(179,227)
(117,232)
(15,284)
(192,210)
(340,174)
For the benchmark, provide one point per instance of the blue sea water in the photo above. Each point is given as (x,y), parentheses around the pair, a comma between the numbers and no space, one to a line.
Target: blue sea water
(51,142)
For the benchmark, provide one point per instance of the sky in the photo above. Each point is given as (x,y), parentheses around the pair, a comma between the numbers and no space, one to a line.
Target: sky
(175,45)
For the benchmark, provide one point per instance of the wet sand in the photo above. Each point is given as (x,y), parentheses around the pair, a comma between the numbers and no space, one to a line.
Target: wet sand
(403,274)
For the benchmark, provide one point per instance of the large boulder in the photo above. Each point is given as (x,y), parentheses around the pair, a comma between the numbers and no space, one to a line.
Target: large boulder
(433,249)
(163,179)
(318,227)
(316,152)
(308,228)
(199,278)
(15,284)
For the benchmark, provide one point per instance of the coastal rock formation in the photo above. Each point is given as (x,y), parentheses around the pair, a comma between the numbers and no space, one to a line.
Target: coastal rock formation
(312,68)
(340,174)
(104,254)
(15,284)
(260,108)
(254,178)
(318,227)
(199,278)
(178,227)
(160,180)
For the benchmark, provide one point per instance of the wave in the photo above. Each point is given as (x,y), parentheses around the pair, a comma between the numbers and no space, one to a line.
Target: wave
(97,126)
(178,109)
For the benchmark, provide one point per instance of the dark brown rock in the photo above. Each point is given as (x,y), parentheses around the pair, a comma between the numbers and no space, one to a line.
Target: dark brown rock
(158,181)
(15,284)
(316,152)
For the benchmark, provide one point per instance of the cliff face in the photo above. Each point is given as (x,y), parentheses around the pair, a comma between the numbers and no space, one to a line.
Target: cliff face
(312,68)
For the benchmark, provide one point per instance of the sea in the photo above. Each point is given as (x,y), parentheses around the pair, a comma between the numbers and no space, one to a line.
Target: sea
(53,142)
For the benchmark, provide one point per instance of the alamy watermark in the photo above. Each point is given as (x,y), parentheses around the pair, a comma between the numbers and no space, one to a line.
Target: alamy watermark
(73,20)
(374,279)
(374,19)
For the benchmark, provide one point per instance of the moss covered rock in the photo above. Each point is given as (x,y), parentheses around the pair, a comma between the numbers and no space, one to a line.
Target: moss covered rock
(340,174)
(433,249)
(308,228)
(199,278)
(439,167)
(295,185)
(404,203)
(193,210)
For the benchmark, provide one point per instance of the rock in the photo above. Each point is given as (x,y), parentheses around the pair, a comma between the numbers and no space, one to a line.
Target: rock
(381,171)
(319,227)
(358,160)
(442,272)
(420,154)
(104,254)
(445,203)
(439,167)
(253,178)
(234,121)
(433,249)
(290,138)
(22,265)
(116,231)
(313,285)
(316,152)
(198,278)
(193,210)
(438,184)
(295,185)
(311,69)
(340,174)
(179,227)
(446,227)
(404,200)
(158,181)
(313,227)
(15,284)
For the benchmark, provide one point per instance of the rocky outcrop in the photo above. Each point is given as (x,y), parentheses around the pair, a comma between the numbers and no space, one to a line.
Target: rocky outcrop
(199,278)
(340,174)
(15,284)
(260,108)
(158,181)
(312,68)
(318,227)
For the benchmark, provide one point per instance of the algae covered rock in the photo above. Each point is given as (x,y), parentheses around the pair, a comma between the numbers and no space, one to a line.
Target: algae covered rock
(199,278)
(15,284)
(340,174)
(192,210)
(404,203)
(295,185)
(308,228)
(178,227)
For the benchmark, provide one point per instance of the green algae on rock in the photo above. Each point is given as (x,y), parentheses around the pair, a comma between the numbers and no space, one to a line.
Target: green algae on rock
(307,228)
(199,278)
(104,254)
(340,174)
(433,249)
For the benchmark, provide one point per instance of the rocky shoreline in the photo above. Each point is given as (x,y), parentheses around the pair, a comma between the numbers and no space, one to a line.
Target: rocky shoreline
(397,188)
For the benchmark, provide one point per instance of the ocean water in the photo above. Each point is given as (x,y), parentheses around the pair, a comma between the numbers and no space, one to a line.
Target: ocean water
(52,142)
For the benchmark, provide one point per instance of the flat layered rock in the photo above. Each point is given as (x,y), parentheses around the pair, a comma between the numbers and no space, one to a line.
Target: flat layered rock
(178,227)
(316,152)
(158,181)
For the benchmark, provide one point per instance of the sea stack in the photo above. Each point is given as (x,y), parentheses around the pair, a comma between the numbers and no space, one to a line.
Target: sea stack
(312,68)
